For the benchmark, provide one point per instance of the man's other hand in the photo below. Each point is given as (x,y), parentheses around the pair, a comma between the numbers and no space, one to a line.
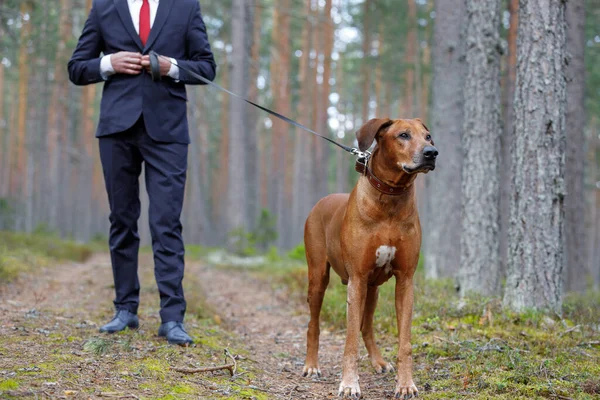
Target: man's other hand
(125,62)
(165,65)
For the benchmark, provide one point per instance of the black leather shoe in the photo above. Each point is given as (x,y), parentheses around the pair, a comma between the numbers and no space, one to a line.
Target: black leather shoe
(123,319)
(175,333)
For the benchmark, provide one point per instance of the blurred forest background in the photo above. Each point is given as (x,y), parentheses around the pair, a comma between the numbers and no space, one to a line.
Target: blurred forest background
(329,64)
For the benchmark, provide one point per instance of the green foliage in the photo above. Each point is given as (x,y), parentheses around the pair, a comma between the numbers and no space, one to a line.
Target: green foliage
(97,346)
(298,253)
(20,252)
(248,244)
(242,242)
(265,233)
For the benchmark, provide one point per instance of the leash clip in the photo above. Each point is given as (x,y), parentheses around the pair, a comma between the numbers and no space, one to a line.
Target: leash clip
(362,159)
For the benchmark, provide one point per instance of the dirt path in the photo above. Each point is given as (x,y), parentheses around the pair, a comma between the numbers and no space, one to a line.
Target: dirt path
(47,319)
(273,328)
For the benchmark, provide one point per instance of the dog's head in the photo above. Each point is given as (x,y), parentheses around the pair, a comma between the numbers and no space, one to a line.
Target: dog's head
(406,144)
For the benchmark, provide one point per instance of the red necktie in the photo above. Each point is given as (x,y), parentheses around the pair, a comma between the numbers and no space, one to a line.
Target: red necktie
(145,22)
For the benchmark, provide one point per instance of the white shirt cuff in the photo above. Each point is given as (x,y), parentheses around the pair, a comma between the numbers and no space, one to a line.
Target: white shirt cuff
(174,71)
(106,68)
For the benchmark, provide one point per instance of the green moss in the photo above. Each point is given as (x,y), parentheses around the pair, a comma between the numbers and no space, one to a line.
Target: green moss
(20,252)
(8,384)
(182,389)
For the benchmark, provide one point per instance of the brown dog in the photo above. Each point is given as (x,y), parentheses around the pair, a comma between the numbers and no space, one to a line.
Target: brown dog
(366,237)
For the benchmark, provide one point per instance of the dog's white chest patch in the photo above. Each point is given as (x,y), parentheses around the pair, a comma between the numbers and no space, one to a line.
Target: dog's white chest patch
(384,256)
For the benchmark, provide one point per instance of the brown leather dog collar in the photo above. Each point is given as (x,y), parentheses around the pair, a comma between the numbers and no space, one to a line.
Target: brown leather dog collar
(377,183)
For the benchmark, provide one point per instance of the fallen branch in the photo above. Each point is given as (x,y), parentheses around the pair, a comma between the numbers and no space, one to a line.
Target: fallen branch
(116,395)
(229,367)
(576,327)
(232,368)
(447,340)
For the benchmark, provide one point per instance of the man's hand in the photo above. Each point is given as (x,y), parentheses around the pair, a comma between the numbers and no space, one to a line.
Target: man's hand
(165,65)
(125,62)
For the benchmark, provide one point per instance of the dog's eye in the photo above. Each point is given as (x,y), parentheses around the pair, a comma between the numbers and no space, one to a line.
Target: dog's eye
(428,138)
(404,135)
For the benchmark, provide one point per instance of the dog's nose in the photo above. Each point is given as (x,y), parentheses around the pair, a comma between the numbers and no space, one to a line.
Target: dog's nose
(430,153)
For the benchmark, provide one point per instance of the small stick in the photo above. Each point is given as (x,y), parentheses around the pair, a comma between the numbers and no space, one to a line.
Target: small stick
(229,367)
(447,341)
(232,368)
(570,330)
(292,391)
(228,354)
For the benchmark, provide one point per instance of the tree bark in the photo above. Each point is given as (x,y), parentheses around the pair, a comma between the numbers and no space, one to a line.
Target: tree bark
(441,242)
(253,26)
(3,135)
(280,86)
(536,242)
(324,91)
(507,138)
(301,199)
(221,194)
(23,96)
(577,273)
(237,215)
(408,100)
(479,257)
(366,67)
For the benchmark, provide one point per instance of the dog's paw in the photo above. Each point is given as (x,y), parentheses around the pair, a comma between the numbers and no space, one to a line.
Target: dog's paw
(349,388)
(311,372)
(407,391)
(381,366)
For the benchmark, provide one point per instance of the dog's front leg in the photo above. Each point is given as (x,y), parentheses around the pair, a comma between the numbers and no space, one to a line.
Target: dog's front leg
(405,387)
(357,292)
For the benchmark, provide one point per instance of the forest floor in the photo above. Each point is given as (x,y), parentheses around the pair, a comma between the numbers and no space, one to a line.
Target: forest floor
(50,347)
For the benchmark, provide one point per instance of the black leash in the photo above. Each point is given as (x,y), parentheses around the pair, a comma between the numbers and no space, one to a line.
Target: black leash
(155,67)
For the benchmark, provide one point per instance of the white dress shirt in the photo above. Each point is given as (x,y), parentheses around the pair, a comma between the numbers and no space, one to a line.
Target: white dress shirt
(135,6)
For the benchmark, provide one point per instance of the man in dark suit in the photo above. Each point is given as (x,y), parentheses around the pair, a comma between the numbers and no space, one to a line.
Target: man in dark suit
(144,121)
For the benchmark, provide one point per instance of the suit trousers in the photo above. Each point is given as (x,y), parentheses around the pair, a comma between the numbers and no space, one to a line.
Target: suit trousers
(165,166)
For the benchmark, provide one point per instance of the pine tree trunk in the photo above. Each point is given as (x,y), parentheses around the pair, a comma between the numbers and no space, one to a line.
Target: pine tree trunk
(577,273)
(408,100)
(301,201)
(23,97)
(479,261)
(325,89)
(280,86)
(366,67)
(379,76)
(508,136)
(236,213)
(220,195)
(251,136)
(3,136)
(441,248)
(536,242)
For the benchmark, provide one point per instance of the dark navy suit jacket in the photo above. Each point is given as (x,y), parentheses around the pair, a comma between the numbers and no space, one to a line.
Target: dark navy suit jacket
(178,32)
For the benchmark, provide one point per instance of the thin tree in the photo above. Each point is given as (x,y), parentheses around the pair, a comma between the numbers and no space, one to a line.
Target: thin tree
(23,95)
(441,248)
(408,99)
(301,199)
(507,137)
(479,256)
(237,212)
(575,119)
(536,241)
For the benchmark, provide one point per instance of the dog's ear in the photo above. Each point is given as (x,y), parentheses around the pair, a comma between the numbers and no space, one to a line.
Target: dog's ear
(422,123)
(368,132)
